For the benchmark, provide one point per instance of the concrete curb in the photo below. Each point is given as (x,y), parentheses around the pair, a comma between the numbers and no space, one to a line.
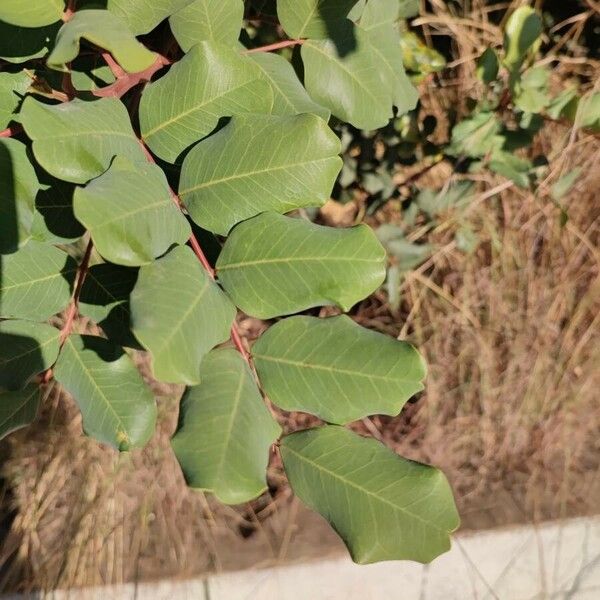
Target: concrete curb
(558,561)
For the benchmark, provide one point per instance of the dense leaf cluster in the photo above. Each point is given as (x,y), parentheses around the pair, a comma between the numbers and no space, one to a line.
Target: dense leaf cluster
(98,136)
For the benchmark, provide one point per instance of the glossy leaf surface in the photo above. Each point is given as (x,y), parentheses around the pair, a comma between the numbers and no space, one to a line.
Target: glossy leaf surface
(225,430)
(384,507)
(336,369)
(299,170)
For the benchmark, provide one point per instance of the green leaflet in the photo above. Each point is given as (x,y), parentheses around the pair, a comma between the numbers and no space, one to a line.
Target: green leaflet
(383,506)
(336,369)
(13,87)
(531,92)
(512,167)
(130,213)
(26,349)
(475,136)
(273,265)
(18,409)
(379,20)
(18,45)
(76,141)
(179,314)
(212,20)
(104,298)
(18,188)
(36,282)
(488,66)
(211,81)
(143,15)
(33,13)
(345,75)
(225,430)
(312,18)
(522,31)
(299,170)
(117,407)
(289,95)
(103,29)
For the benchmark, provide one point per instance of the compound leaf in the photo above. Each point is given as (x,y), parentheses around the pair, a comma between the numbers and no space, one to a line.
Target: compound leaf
(105,30)
(18,409)
(289,95)
(298,170)
(33,13)
(104,298)
(76,141)
(130,213)
(211,81)
(312,18)
(17,195)
(35,282)
(336,369)
(383,506)
(178,314)
(116,406)
(26,349)
(345,76)
(273,265)
(225,430)
(212,20)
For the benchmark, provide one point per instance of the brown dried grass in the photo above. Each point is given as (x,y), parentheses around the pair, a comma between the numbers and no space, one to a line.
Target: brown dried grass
(511,410)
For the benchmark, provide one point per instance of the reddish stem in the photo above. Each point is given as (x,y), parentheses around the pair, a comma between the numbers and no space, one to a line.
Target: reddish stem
(73,305)
(235,336)
(69,11)
(275,46)
(11,131)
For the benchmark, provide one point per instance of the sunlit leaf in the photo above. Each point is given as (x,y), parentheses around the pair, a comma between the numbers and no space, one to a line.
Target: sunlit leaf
(336,369)
(179,314)
(76,141)
(289,95)
(211,81)
(564,184)
(273,265)
(383,506)
(212,20)
(117,407)
(13,87)
(225,430)
(35,282)
(26,349)
(130,213)
(522,31)
(32,13)
(298,170)
(105,30)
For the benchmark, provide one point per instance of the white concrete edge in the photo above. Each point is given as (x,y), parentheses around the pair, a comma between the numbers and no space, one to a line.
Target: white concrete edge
(557,560)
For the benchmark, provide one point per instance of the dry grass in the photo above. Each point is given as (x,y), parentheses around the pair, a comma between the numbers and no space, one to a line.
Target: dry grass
(511,410)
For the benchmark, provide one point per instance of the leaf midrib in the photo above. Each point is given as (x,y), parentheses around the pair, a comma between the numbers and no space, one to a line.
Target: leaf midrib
(365,491)
(255,172)
(296,259)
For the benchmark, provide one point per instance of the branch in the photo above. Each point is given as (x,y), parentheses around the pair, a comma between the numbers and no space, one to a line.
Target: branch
(11,131)
(275,46)
(235,336)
